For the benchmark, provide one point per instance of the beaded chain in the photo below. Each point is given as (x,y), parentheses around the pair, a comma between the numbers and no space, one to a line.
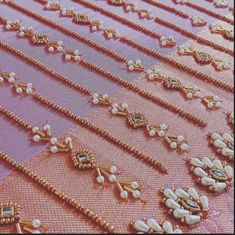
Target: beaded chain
(165,23)
(123,39)
(204,10)
(72,55)
(52,189)
(84,122)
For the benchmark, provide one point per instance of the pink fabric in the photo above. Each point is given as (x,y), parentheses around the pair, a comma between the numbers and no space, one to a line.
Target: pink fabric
(59,170)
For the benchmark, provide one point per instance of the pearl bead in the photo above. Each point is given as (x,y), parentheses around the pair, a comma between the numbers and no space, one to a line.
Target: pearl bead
(189,95)
(105,96)
(60,43)
(36,223)
(51,49)
(124,105)
(210,105)
(152,133)
(29,91)
(35,129)
(53,140)
(124,194)
(114,111)
(95,101)
(46,127)
(112,178)
(54,149)
(134,185)
(19,90)
(59,48)
(151,76)
(184,146)
(173,145)
(163,43)
(95,95)
(163,126)
(180,138)
(8,26)
(67,57)
(115,105)
(113,169)
(36,138)
(21,33)
(161,133)
(100,179)
(93,28)
(136,194)
(218,104)
(131,67)
(11,79)
(68,140)
(77,58)
(138,62)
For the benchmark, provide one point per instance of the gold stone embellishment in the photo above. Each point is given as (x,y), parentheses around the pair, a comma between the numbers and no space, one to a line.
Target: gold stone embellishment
(39,39)
(137,120)
(83,160)
(9,213)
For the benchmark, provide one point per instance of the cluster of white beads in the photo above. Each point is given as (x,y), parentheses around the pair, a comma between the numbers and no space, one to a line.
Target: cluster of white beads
(97,26)
(22,29)
(215,27)
(151,224)
(135,192)
(185,49)
(53,141)
(220,3)
(200,168)
(28,89)
(181,1)
(131,64)
(222,65)
(197,93)
(224,143)
(178,211)
(116,107)
(216,103)
(11,78)
(112,177)
(65,10)
(75,56)
(9,23)
(146,14)
(161,132)
(152,73)
(179,143)
(130,7)
(58,47)
(116,34)
(164,40)
(50,4)
(96,97)
(198,19)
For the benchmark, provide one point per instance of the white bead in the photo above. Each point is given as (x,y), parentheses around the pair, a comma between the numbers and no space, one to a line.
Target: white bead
(95,101)
(54,149)
(215,136)
(136,194)
(228,137)
(229,171)
(77,57)
(113,169)
(8,26)
(219,144)
(11,79)
(19,90)
(151,76)
(180,138)
(184,146)
(170,203)
(218,164)
(130,62)
(226,152)
(36,223)
(131,67)
(100,179)
(114,111)
(134,185)
(218,104)
(207,162)
(53,140)
(168,193)
(59,43)
(163,126)
(95,95)
(36,138)
(163,38)
(177,231)
(180,213)
(192,219)
(29,91)
(112,178)
(138,62)
(93,28)
(141,226)
(67,57)
(124,105)
(46,127)
(173,145)
(152,133)
(199,172)
(29,85)
(204,202)
(210,105)
(105,96)
(51,49)
(207,181)
(181,193)
(115,105)
(68,140)
(152,223)
(193,193)
(35,129)
(167,226)
(189,95)
(161,133)
(196,162)
(219,187)
(21,34)
(163,43)
(124,194)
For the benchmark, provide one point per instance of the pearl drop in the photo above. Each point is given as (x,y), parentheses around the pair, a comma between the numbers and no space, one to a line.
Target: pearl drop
(36,138)
(196,162)
(210,105)
(167,226)
(124,194)
(173,145)
(53,140)
(77,58)
(207,162)
(100,179)
(180,138)
(152,133)
(124,105)
(141,226)
(163,126)
(136,194)
(35,129)
(204,202)
(152,223)
(180,213)
(184,146)
(112,178)
(95,95)
(192,219)
(168,193)
(68,140)
(193,193)
(181,193)
(51,49)
(54,149)
(189,95)
(114,111)
(95,101)
(46,127)
(29,91)
(134,185)
(113,169)
(161,133)
(36,223)
(11,79)
(19,90)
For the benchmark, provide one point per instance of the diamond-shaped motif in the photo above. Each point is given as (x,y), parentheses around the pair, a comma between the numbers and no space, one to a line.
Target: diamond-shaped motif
(40,39)
(172,83)
(202,57)
(116,2)
(83,160)
(9,213)
(81,19)
(137,120)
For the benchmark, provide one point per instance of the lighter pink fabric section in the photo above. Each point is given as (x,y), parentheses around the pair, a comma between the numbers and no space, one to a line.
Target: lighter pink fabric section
(81,184)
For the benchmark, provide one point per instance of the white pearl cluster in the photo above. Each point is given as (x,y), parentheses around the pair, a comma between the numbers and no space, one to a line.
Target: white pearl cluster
(224,142)
(54,149)
(221,65)
(153,73)
(64,11)
(146,14)
(50,4)
(10,78)
(220,3)
(28,89)
(181,1)
(214,102)
(195,93)
(172,201)
(132,64)
(165,41)
(215,27)
(130,7)
(161,131)
(113,34)
(116,107)
(152,225)
(97,25)
(9,23)
(75,55)
(198,20)
(201,168)
(22,30)
(96,98)
(58,46)
(182,50)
